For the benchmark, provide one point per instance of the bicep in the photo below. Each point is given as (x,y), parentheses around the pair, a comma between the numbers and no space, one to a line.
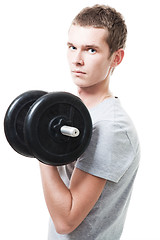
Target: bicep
(85,190)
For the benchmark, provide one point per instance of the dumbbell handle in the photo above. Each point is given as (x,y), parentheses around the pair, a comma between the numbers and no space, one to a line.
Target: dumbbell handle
(70,131)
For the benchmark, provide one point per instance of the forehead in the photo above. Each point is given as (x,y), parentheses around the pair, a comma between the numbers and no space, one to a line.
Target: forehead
(87,35)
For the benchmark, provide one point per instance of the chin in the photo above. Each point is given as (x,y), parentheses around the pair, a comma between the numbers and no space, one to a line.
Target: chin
(79,83)
(83,83)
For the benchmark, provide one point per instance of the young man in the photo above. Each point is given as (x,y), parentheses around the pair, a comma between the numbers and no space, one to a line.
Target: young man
(89,198)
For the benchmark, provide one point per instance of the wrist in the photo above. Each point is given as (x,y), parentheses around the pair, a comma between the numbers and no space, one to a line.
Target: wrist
(47,168)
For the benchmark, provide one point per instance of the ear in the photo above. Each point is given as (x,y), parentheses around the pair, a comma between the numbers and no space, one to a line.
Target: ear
(117,58)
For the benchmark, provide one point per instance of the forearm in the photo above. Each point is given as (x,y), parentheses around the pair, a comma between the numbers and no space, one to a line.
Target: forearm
(58,197)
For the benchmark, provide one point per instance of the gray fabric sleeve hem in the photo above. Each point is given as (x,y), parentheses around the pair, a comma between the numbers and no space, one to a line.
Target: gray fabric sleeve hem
(91,171)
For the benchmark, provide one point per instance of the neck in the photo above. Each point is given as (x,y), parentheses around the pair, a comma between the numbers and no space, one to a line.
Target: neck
(93,95)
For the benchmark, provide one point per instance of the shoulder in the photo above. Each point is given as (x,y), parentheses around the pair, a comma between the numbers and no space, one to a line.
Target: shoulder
(111,111)
(113,126)
(111,116)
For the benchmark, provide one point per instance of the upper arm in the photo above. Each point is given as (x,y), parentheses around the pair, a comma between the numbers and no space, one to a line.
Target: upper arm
(85,190)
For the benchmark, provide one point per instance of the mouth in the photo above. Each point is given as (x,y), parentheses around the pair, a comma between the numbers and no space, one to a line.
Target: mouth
(78,72)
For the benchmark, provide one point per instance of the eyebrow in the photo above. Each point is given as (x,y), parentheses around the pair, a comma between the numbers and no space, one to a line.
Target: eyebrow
(92,46)
(85,46)
(69,44)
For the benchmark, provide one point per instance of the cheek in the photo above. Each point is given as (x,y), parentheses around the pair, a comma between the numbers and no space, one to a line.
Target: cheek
(68,58)
(99,68)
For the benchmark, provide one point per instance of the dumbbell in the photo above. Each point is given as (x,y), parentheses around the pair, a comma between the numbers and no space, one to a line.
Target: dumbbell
(55,127)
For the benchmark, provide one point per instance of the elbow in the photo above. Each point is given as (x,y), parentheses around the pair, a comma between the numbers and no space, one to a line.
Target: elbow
(61,230)
(64,228)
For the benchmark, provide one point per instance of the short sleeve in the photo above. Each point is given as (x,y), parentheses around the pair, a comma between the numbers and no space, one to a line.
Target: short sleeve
(109,153)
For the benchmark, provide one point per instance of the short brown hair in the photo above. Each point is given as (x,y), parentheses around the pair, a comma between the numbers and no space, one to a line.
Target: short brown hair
(102,16)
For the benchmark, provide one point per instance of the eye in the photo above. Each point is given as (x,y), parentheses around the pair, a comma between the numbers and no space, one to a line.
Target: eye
(91,50)
(72,47)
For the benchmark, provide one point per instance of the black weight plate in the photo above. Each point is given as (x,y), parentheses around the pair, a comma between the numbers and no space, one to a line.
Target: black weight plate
(39,136)
(14,120)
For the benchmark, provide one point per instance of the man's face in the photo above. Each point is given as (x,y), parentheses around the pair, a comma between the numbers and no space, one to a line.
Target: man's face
(88,55)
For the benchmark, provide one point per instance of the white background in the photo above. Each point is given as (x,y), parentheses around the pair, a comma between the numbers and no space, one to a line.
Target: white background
(33,35)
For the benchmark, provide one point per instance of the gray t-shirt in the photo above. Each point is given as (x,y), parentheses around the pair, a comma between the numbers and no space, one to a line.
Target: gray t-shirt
(112,154)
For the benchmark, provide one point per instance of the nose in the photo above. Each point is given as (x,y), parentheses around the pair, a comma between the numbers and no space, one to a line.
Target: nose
(78,59)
